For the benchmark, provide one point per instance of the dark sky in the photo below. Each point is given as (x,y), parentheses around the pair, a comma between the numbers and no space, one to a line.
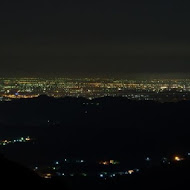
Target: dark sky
(94,37)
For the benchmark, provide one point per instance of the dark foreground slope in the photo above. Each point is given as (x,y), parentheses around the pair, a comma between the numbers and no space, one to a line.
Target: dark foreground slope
(13,175)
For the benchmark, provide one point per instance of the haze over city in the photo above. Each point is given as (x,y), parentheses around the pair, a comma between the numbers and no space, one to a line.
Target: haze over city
(93,37)
(95,94)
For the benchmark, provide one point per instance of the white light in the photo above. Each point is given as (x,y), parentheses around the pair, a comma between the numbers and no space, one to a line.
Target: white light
(131,171)
(147,159)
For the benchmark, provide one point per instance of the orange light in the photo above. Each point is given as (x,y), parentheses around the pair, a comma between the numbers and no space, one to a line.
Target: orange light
(47,176)
(104,162)
(177,158)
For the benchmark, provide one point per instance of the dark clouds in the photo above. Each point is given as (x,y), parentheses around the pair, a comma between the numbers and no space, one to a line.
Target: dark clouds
(94,36)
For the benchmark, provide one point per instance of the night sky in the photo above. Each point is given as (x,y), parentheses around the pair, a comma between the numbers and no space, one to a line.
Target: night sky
(58,37)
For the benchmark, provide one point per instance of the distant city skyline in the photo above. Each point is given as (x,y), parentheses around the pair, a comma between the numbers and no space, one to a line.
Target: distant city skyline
(157,89)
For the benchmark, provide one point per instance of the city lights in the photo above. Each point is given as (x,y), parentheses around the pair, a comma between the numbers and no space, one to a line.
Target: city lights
(178,158)
(12,141)
(152,89)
